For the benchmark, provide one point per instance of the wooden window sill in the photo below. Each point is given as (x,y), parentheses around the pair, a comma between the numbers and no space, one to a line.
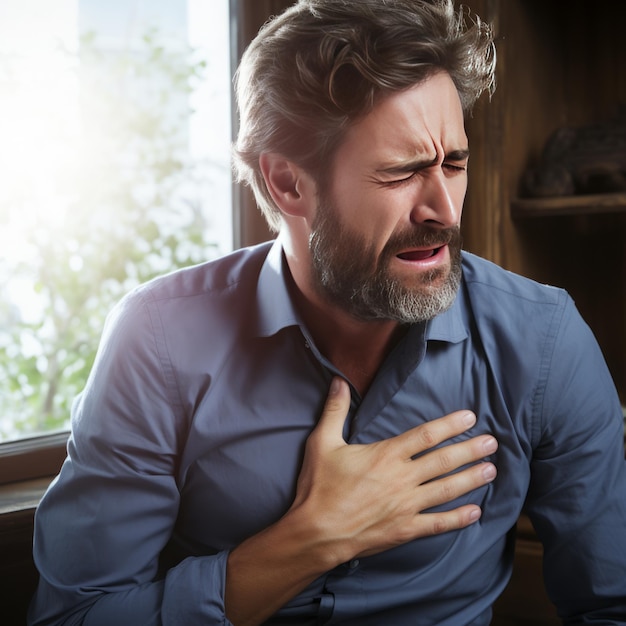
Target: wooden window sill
(22,497)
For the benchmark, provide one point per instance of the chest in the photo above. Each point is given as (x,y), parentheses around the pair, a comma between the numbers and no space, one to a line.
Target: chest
(243,454)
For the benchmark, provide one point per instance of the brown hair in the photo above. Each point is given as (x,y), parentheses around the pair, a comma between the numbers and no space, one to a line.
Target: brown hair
(322,64)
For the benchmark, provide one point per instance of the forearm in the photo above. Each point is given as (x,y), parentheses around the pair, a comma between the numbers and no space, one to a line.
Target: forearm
(272,567)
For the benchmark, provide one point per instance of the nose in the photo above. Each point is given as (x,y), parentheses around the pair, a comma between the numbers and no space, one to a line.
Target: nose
(439,200)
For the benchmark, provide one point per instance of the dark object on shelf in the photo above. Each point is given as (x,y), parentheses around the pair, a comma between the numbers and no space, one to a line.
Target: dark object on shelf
(586,160)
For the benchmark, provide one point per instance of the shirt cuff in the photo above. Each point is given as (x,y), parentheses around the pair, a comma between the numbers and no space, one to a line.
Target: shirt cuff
(194,592)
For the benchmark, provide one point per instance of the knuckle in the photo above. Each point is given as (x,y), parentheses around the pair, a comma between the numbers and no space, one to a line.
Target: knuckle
(333,405)
(440,525)
(405,533)
(426,437)
(447,491)
(407,536)
(446,460)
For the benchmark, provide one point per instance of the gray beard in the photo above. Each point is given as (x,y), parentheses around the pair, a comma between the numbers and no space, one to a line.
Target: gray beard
(347,274)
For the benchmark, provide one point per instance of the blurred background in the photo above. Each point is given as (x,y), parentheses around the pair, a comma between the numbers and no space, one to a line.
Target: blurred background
(115,131)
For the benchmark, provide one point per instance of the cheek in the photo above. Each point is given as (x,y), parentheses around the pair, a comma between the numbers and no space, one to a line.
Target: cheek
(459,190)
(373,215)
(368,212)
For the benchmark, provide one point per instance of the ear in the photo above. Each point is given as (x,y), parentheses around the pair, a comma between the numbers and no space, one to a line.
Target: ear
(292,188)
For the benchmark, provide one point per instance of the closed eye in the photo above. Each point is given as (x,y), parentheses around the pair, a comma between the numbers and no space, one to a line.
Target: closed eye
(399,181)
(454,162)
(454,168)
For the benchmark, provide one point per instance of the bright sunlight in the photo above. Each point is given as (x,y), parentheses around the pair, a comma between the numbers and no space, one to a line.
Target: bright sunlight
(114,154)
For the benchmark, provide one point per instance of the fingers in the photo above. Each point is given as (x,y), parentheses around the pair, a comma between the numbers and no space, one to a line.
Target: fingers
(329,429)
(431,434)
(449,458)
(424,522)
(450,487)
(437,523)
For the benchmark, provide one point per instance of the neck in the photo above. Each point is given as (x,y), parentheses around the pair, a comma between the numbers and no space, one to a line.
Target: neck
(356,347)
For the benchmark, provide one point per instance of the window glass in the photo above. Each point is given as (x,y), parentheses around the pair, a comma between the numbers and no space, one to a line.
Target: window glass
(114,160)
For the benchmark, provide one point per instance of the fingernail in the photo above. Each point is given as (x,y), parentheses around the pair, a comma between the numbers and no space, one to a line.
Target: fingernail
(489,472)
(469,419)
(490,445)
(475,515)
(335,385)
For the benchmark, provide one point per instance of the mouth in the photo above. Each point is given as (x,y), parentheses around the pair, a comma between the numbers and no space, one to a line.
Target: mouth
(420,254)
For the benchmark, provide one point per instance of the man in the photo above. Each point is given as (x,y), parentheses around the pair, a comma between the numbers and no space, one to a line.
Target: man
(261,440)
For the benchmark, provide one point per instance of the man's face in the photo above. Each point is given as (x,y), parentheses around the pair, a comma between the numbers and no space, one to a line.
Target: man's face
(385,242)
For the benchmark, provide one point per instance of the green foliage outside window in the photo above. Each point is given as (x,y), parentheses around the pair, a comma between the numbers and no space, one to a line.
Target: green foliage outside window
(125,207)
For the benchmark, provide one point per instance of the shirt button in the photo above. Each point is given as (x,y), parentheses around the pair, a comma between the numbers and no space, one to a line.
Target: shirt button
(354,563)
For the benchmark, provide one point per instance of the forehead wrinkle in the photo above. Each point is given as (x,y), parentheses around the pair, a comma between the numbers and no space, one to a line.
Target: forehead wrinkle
(409,127)
(412,151)
(409,164)
(417,160)
(418,155)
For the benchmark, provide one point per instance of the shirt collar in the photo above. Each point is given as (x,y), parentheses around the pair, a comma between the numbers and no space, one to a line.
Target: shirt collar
(450,326)
(276,310)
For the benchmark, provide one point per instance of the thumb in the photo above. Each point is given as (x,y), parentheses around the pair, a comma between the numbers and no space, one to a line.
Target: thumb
(330,425)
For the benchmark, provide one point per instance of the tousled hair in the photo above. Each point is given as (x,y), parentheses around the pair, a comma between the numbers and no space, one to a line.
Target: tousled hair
(323,64)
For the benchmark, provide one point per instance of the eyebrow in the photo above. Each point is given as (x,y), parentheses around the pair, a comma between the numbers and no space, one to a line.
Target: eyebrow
(418,164)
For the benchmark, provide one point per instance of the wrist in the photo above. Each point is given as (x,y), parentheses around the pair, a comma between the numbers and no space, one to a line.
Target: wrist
(268,569)
(317,536)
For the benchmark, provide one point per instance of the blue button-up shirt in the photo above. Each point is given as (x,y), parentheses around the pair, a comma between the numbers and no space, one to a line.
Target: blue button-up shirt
(189,437)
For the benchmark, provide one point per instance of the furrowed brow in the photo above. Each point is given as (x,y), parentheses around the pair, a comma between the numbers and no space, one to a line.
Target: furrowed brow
(421,163)
(409,166)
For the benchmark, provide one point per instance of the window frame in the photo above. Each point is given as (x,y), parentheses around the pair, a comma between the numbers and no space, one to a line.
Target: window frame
(33,457)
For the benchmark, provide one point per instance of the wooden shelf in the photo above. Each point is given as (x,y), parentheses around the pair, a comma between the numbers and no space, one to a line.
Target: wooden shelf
(568,205)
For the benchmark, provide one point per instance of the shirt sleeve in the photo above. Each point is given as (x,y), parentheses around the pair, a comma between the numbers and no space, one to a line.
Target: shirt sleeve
(104,521)
(577,496)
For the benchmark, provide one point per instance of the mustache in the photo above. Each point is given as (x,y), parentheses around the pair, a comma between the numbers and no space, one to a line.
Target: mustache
(423,236)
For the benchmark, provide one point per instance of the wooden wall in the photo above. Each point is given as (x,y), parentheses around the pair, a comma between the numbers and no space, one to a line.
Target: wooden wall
(560,63)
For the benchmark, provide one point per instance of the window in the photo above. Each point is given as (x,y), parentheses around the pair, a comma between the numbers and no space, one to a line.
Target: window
(114,152)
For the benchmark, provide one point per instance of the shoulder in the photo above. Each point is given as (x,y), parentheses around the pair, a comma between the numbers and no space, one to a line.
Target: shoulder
(212,277)
(512,304)
(483,277)
(533,333)
(520,321)
(211,295)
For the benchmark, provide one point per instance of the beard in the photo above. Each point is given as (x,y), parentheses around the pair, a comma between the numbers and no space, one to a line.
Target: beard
(348,272)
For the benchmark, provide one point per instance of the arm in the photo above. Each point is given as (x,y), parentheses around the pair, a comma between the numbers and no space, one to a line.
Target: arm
(577,498)
(102,524)
(355,500)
